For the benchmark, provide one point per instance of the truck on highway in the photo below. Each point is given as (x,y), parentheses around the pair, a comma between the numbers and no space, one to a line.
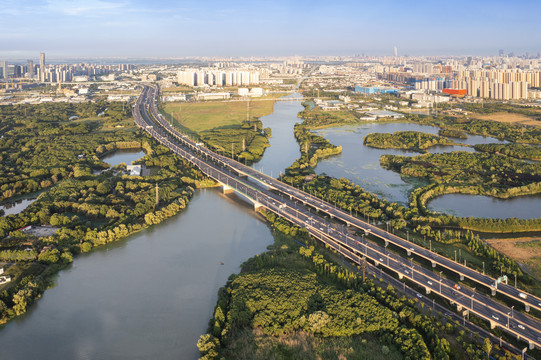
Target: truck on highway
(522,295)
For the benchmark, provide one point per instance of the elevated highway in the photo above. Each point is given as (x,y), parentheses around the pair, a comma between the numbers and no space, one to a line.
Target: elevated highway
(295,206)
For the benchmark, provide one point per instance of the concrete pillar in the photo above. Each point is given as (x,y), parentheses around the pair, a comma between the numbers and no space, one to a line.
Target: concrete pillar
(386,242)
(226,189)
(400,276)
(428,290)
(433,263)
(527,307)
(531,345)
(257,205)
(461,277)
(493,291)
(492,324)
(408,252)
(458,307)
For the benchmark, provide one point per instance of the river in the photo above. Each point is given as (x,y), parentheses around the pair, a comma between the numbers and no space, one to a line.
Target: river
(283,150)
(151,295)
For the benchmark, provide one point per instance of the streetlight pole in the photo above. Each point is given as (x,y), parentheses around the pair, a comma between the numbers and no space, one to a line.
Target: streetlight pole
(440,282)
(455,255)
(483,268)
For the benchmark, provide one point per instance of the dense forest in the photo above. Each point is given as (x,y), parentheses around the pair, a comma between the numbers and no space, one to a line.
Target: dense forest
(299,293)
(518,151)
(84,209)
(41,146)
(499,130)
(450,133)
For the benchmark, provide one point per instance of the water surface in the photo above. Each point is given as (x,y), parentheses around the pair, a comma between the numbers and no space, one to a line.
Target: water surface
(147,297)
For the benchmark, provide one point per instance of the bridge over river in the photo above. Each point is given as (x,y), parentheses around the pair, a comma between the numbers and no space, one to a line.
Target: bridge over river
(349,235)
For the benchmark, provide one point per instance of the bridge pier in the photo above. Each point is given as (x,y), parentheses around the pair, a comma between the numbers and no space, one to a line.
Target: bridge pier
(386,242)
(400,276)
(408,251)
(226,189)
(493,291)
(428,290)
(433,263)
(531,345)
(461,277)
(258,205)
(458,307)
(527,307)
(492,324)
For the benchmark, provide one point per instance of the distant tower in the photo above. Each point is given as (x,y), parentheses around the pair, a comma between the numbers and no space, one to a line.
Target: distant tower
(42,67)
(395,51)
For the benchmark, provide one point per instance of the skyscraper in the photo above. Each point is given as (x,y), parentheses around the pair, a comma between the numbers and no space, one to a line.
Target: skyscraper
(30,69)
(42,67)
(4,66)
(395,51)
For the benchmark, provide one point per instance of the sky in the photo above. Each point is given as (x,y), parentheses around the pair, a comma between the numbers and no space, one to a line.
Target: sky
(181,28)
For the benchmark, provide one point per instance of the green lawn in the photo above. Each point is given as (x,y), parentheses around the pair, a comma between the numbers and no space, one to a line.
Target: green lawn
(201,116)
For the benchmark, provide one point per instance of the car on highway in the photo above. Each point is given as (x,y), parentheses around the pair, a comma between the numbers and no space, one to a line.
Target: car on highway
(522,295)
(520,326)
(456,286)
(430,283)
(406,272)
(495,317)
(412,249)
(419,295)
(381,259)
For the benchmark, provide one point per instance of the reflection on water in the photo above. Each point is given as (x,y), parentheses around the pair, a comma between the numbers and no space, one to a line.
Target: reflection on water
(16,206)
(522,207)
(148,297)
(361,165)
(123,156)
(283,150)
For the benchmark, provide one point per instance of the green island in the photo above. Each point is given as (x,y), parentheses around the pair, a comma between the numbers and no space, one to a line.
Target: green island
(55,149)
(296,302)
(474,174)
(406,140)
(450,233)
(450,133)
(474,126)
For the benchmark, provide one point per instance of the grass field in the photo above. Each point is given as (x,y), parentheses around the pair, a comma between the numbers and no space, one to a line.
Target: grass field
(511,118)
(523,250)
(201,116)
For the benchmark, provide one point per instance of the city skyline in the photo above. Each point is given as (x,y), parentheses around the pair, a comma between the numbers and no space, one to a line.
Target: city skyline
(168,29)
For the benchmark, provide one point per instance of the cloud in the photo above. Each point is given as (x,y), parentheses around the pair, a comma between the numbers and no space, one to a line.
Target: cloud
(84,7)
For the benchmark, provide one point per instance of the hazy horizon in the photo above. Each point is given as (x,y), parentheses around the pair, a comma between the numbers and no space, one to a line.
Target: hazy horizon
(166,29)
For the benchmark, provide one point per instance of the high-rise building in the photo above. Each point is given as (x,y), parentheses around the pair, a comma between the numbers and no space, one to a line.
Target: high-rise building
(4,65)
(395,51)
(42,67)
(30,69)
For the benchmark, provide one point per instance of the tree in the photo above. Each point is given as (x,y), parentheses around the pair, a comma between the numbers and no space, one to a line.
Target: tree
(487,346)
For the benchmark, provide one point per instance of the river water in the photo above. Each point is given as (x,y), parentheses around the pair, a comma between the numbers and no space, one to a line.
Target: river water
(151,295)
(360,164)
(283,150)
